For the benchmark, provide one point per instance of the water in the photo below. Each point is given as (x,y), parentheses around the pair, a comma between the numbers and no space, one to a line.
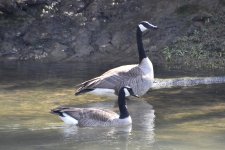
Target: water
(166,119)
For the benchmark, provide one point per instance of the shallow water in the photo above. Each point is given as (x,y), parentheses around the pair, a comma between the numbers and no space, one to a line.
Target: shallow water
(166,119)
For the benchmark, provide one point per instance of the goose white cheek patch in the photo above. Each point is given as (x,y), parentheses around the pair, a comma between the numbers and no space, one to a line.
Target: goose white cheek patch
(142,28)
(127,93)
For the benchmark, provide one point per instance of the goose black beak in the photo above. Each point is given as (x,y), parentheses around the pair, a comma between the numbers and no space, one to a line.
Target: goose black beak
(132,93)
(135,95)
(151,26)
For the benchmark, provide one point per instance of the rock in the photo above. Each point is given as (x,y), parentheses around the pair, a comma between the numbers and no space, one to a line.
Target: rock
(103,41)
(57,52)
(120,40)
(202,17)
(83,51)
(34,35)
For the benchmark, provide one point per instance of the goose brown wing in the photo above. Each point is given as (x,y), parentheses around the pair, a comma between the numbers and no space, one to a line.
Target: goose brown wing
(91,114)
(113,78)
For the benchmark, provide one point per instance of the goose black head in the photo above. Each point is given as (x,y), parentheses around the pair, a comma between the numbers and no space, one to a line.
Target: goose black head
(145,25)
(129,91)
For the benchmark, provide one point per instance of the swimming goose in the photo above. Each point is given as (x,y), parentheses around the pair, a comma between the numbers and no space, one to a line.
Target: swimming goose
(98,117)
(138,76)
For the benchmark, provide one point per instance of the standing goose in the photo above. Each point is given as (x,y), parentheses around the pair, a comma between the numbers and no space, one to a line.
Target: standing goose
(98,117)
(138,76)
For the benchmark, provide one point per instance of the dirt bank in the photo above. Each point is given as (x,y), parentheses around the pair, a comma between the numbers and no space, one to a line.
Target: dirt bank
(190,36)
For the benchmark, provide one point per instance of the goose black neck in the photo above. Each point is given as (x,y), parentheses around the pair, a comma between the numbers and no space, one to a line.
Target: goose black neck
(122,105)
(141,51)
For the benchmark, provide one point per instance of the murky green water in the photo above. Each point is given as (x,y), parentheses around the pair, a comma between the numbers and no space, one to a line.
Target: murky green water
(170,119)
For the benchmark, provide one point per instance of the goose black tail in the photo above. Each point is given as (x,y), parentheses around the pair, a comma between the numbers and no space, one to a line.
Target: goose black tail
(83,91)
(58,111)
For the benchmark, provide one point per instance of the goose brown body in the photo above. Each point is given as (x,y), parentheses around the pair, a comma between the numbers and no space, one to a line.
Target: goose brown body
(92,116)
(132,75)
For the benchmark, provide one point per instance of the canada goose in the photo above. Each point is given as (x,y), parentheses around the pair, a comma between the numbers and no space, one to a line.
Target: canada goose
(138,76)
(98,117)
